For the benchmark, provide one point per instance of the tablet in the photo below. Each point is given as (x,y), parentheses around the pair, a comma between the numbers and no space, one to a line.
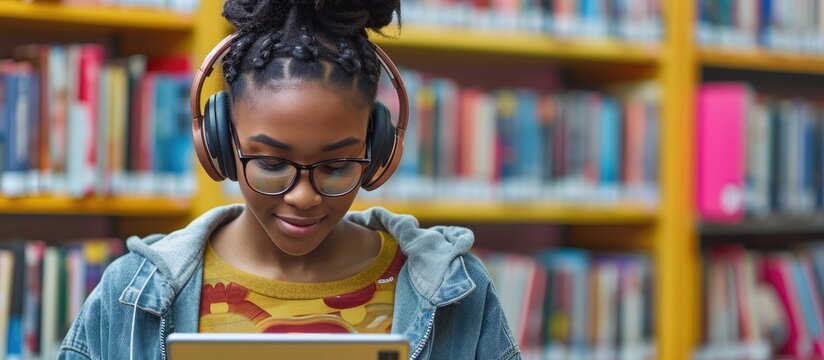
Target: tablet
(287,346)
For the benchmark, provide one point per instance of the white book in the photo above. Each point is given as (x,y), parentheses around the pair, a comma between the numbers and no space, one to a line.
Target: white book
(6,280)
(49,340)
(77,283)
(104,114)
(606,328)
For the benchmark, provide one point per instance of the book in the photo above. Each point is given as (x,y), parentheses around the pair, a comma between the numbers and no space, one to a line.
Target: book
(15,340)
(76,123)
(722,109)
(7,272)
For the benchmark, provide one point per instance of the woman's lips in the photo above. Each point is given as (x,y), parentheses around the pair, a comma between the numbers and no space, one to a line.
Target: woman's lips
(298,226)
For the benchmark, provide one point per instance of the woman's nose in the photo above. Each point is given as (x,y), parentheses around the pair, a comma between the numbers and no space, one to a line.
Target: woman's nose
(303,194)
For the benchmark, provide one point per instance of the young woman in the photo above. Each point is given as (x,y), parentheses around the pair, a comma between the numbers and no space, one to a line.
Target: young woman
(300,130)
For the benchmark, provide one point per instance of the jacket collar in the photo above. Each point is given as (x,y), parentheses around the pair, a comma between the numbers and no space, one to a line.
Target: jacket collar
(435,266)
(171,260)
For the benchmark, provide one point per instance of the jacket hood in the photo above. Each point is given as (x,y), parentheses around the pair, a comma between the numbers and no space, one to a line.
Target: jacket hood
(434,261)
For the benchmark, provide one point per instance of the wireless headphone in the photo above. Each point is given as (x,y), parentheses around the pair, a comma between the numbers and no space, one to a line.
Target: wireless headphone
(213,141)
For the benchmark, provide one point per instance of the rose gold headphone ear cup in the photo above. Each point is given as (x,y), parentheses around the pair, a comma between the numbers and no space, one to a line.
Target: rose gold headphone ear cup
(206,156)
(380,136)
(380,177)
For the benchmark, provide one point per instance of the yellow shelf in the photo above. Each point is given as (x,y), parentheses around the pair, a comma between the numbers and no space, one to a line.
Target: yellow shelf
(115,206)
(519,44)
(561,213)
(111,17)
(761,60)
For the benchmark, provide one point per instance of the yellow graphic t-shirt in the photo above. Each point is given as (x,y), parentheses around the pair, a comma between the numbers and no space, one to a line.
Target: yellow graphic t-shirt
(233,300)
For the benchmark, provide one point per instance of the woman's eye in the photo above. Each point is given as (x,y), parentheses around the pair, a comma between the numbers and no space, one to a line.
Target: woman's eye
(272,165)
(333,166)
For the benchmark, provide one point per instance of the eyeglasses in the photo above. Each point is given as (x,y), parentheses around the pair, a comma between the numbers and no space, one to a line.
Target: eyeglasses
(269,175)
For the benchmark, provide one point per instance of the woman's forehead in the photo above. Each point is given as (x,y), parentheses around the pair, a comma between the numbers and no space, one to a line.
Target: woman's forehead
(311,105)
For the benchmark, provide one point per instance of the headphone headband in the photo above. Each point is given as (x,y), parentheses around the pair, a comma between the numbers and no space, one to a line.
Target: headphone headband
(220,49)
(211,163)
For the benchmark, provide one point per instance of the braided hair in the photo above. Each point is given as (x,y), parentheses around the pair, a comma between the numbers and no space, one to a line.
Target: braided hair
(305,40)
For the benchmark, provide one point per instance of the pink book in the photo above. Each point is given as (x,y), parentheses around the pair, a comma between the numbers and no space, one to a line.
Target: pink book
(722,108)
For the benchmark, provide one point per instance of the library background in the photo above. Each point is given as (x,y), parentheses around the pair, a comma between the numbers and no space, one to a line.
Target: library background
(645,177)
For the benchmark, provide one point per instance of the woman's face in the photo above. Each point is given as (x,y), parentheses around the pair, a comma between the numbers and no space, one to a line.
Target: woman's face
(306,123)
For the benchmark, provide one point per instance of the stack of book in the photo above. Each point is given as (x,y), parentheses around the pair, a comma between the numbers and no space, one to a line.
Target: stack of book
(75,123)
(770,147)
(179,6)
(759,305)
(571,304)
(779,25)
(42,289)
(518,144)
(628,20)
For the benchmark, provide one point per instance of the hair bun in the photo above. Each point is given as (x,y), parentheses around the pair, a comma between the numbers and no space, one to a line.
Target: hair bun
(342,17)
(258,14)
(348,17)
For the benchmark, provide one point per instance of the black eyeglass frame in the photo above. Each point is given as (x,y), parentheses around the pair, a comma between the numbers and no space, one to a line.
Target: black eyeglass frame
(244,159)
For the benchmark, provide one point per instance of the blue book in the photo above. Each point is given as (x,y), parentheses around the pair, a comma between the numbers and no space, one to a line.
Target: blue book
(17,123)
(765,23)
(181,145)
(777,147)
(529,163)
(817,257)
(575,262)
(34,120)
(818,163)
(507,131)
(165,117)
(611,132)
(807,156)
(725,16)
(439,90)
(15,327)
(805,298)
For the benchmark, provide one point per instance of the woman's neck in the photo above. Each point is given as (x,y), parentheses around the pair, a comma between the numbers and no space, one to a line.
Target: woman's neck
(347,250)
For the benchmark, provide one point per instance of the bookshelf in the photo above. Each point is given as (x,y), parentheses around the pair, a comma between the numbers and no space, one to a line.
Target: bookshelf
(761,60)
(670,232)
(513,43)
(54,15)
(114,206)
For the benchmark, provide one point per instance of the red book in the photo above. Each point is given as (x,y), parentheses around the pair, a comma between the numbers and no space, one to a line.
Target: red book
(174,64)
(633,161)
(88,96)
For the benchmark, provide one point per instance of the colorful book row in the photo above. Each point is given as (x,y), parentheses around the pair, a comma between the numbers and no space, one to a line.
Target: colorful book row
(179,6)
(630,20)
(758,154)
(519,144)
(763,304)
(75,123)
(572,304)
(42,289)
(780,25)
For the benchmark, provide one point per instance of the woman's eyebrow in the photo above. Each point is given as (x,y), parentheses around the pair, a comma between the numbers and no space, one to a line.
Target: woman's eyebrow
(343,143)
(264,139)
(261,138)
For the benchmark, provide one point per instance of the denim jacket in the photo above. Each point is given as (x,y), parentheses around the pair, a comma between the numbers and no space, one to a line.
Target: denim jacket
(445,302)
